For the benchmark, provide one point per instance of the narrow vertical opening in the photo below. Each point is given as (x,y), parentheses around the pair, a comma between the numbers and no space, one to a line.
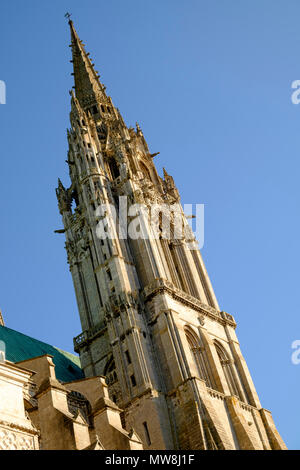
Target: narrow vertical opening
(133,381)
(128,357)
(147,434)
(114,169)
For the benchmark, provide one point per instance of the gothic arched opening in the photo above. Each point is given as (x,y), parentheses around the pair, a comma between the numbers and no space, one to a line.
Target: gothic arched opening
(228,369)
(200,356)
(114,168)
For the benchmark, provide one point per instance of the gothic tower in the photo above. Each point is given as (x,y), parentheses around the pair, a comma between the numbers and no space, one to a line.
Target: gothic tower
(150,319)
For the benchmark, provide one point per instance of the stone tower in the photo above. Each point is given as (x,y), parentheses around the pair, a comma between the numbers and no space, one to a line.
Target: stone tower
(150,319)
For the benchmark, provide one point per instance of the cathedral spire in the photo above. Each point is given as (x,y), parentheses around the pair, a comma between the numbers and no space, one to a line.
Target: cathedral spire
(88,88)
(150,320)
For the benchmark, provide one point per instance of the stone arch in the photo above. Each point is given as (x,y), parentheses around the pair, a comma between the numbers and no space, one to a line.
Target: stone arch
(109,366)
(228,367)
(77,402)
(110,371)
(198,351)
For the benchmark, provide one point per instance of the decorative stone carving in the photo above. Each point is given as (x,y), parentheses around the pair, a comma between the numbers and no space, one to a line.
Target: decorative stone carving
(10,440)
(64,198)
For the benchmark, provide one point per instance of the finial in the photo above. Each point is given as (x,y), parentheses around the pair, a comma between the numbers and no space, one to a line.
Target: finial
(1,319)
(138,129)
(68,16)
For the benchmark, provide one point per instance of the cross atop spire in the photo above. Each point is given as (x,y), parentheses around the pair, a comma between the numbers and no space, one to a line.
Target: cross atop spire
(88,88)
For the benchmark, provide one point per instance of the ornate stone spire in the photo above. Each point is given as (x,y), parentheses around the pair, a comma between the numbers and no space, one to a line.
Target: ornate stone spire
(63,197)
(140,298)
(88,87)
(1,319)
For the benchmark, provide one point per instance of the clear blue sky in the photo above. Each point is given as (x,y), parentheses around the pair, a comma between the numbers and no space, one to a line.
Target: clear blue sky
(210,84)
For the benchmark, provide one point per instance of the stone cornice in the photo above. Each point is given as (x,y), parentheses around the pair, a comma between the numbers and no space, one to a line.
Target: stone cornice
(19,427)
(162,286)
(14,373)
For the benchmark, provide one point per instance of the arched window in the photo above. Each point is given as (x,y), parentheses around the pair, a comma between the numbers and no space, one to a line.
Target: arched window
(200,357)
(114,169)
(110,372)
(228,369)
(102,131)
(78,402)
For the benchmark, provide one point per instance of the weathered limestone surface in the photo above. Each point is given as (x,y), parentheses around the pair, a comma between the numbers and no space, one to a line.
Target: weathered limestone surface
(72,416)
(16,429)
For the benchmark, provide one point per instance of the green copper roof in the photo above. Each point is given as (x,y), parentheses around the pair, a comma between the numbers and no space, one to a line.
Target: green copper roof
(20,347)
